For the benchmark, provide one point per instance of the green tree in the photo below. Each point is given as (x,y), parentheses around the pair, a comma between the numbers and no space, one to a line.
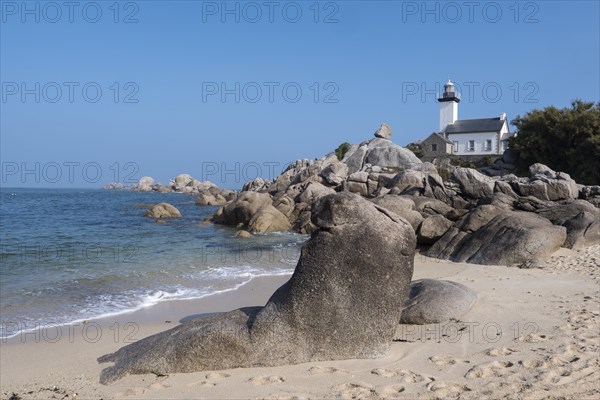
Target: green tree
(565,139)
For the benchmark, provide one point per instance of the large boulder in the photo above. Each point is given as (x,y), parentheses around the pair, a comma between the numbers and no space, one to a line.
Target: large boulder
(302,217)
(145,184)
(548,189)
(268,219)
(546,184)
(386,154)
(312,192)
(242,209)
(343,301)
(401,206)
(539,169)
(356,187)
(504,188)
(382,153)
(183,180)
(162,210)
(285,204)
(355,158)
(432,229)
(432,301)
(434,188)
(428,206)
(409,179)
(335,173)
(580,218)
(206,198)
(507,238)
(473,183)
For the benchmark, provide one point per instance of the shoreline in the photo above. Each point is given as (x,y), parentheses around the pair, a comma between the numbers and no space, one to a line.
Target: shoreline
(530,331)
(173,310)
(157,313)
(123,313)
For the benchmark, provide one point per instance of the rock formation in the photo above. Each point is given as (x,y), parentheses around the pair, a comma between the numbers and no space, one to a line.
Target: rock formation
(384,132)
(145,184)
(432,301)
(434,200)
(162,210)
(495,236)
(328,310)
(393,178)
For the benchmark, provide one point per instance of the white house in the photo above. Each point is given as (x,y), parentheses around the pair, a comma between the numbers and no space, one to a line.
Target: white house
(468,136)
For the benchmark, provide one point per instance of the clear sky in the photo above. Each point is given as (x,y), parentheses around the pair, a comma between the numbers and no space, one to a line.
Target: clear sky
(94,92)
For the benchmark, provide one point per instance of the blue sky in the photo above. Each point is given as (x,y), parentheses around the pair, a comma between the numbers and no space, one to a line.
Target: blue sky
(299,78)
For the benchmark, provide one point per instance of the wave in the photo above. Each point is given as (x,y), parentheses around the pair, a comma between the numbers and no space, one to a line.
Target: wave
(110,306)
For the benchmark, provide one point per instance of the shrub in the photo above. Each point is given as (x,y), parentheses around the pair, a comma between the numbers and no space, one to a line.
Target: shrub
(417,150)
(342,149)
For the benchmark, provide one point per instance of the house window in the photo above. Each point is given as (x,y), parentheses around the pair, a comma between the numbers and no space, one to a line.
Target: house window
(471,146)
(488,145)
(434,147)
(505,145)
(455,144)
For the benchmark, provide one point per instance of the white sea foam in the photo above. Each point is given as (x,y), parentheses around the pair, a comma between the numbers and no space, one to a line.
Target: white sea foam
(111,306)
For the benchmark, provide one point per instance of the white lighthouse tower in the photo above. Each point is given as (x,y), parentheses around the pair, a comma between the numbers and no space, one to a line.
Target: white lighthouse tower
(448,105)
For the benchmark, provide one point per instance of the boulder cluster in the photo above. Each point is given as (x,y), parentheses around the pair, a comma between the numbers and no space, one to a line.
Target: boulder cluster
(457,213)
(209,193)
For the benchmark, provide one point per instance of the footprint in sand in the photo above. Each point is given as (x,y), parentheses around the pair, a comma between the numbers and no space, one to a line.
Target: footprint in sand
(217,375)
(201,384)
(556,374)
(387,373)
(502,351)
(563,360)
(495,369)
(520,377)
(404,375)
(594,362)
(497,389)
(318,369)
(443,360)
(209,376)
(353,391)
(265,380)
(391,392)
(533,338)
(532,364)
(160,385)
(131,392)
(445,390)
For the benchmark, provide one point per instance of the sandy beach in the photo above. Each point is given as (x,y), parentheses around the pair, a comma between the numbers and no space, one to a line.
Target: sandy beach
(533,333)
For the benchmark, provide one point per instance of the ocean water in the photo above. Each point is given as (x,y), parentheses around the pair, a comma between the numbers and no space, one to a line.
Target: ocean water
(71,255)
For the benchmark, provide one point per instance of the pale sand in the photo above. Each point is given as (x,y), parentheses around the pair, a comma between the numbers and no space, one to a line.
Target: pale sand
(532,334)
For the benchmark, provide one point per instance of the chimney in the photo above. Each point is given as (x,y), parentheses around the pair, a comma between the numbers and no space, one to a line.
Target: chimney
(502,116)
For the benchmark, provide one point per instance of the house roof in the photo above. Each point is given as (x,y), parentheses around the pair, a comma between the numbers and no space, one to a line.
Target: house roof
(475,125)
(444,138)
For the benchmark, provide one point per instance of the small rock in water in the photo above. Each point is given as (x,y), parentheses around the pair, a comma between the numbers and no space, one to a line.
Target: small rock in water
(163,210)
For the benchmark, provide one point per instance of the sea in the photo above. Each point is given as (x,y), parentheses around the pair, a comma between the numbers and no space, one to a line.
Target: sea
(69,255)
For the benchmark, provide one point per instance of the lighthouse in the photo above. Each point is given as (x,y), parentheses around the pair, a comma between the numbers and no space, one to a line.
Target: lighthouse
(448,105)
